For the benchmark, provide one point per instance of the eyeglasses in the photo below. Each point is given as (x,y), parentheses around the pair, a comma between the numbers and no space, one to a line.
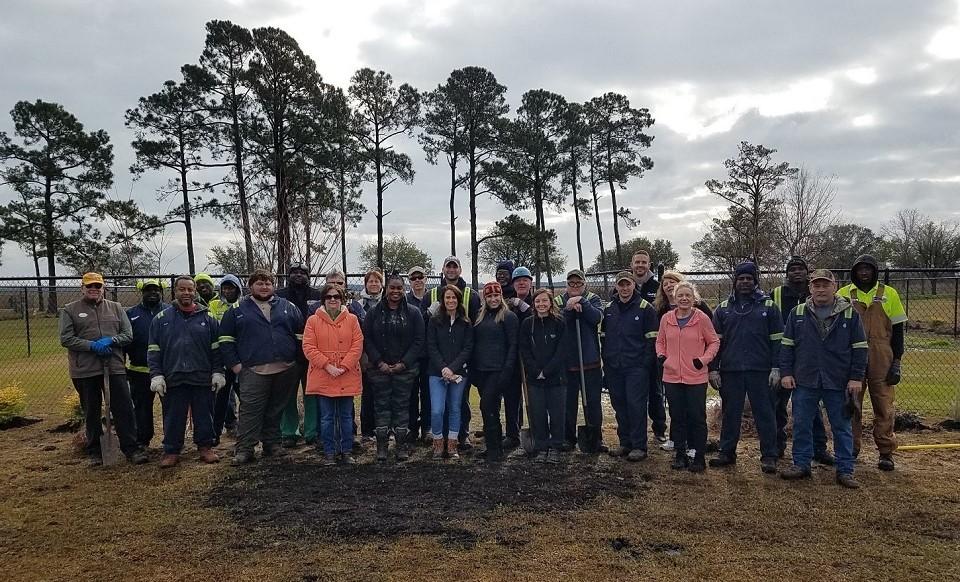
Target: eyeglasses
(575,284)
(94,286)
(331,297)
(416,277)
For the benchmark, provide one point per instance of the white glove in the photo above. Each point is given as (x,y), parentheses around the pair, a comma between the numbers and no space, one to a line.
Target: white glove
(159,385)
(434,308)
(217,381)
(522,306)
(715,379)
(774,378)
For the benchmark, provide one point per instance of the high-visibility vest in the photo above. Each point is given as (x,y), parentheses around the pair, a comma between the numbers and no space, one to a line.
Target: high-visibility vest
(465,301)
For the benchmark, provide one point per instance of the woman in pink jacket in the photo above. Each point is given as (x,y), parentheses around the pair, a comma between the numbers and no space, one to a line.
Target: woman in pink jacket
(333,343)
(686,344)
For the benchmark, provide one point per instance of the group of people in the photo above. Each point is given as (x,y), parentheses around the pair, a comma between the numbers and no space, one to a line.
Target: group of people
(413,355)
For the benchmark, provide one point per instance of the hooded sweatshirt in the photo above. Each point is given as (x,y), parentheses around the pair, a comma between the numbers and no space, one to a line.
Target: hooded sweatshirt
(867,290)
(219,306)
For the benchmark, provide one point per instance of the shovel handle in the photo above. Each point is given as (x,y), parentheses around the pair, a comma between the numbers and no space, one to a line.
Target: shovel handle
(583,378)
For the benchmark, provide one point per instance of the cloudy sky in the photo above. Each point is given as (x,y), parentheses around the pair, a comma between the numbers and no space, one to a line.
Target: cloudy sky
(863,90)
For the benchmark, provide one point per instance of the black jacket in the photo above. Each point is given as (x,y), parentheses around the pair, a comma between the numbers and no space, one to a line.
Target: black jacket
(448,345)
(304,297)
(542,350)
(629,333)
(383,342)
(495,344)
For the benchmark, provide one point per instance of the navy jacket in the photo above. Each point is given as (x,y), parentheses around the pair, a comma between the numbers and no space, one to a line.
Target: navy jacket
(184,347)
(590,320)
(542,349)
(750,334)
(629,333)
(247,338)
(140,318)
(828,362)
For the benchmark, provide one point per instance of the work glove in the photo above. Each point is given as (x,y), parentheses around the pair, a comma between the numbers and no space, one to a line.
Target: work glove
(434,308)
(715,379)
(102,346)
(217,381)
(158,385)
(893,376)
(774,379)
(697,364)
(661,359)
(520,304)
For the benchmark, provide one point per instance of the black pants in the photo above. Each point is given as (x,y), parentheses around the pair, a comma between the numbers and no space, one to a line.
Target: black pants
(420,403)
(547,415)
(819,432)
(735,388)
(657,411)
(513,404)
(368,415)
(391,398)
(465,413)
(224,406)
(142,405)
(593,413)
(179,401)
(121,410)
(491,389)
(688,416)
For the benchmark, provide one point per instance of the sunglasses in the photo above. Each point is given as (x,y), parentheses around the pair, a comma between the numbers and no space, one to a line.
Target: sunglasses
(94,286)
(416,277)
(575,284)
(331,297)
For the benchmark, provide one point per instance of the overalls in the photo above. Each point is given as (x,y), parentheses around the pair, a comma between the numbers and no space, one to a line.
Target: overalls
(879,330)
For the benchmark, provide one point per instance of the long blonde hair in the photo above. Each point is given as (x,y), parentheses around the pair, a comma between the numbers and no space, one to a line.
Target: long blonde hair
(662,302)
(501,314)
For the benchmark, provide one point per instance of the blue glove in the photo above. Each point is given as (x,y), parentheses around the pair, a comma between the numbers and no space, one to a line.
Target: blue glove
(102,346)
(107,341)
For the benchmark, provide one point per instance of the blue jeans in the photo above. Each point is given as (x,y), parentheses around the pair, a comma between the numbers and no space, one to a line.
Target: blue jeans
(806,405)
(444,397)
(629,394)
(336,423)
(176,404)
(735,387)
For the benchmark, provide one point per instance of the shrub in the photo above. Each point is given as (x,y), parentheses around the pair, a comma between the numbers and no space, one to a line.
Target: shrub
(13,402)
(71,410)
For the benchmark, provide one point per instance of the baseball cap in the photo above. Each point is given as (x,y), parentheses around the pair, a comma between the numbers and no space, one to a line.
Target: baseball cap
(416,270)
(92,277)
(625,276)
(298,267)
(575,273)
(823,274)
(451,259)
(144,283)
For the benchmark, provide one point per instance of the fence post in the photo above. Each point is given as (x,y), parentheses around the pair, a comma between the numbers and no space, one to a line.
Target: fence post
(956,303)
(906,304)
(26,319)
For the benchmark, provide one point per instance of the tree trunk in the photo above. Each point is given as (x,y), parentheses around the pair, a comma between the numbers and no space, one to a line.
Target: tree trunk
(576,213)
(50,241)
(305,219)
(187,223)
(613,200)
(474,245)
(596,215)
(241,183)
(36,270)
(283,211)
(453,214)
(343,222)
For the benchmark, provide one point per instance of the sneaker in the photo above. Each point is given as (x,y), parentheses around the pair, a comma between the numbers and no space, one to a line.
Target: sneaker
(824,458)
(636,455)
(138,457)
(553,456)
(794,472)
(847,480)
(208,456)
(768,465)
(619,452)
(723,460)
(885,463)
(328,460)
(667,446)
(169,460)
(243,458)
(661,437)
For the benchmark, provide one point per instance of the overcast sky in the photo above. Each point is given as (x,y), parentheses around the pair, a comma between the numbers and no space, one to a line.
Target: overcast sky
(863,90)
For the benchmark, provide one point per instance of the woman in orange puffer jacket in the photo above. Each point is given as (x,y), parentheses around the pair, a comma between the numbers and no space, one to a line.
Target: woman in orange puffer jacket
(333,343)
(686,344)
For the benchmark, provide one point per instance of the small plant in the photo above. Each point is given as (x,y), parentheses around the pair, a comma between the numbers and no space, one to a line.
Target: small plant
(71,409)
(13,402)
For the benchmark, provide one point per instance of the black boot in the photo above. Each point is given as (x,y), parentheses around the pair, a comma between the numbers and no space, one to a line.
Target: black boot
(494,451)
(699,464)
(680,461)
(383,441)
(400,436)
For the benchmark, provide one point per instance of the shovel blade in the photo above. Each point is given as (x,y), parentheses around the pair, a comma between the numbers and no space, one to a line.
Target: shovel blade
(110,449)
(527,442)
(588,439)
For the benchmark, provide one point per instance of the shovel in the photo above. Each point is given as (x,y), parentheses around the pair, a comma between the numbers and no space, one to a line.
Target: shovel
(109,444)
(588,437)
(526,439)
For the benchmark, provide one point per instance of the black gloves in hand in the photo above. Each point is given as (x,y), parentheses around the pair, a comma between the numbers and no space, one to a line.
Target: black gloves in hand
(697,364)
(661,359)
(893,375)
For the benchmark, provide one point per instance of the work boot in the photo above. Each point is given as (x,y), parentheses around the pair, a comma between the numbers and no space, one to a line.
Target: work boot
(856,452)
(383,443)
(794,472)
(452,451)
(274,451)
(620,451)
(347,459)
(698,465)
(768,465)
(680,462)
(464,447)
(328,460)
(509,443)
(95,460)
(847,480)
(169,460)
(139,457)
(243,458)
(289,442)
(661,437)
(636,455)
(540,457)
(723,460)
(886,462)
(207,455)
(824,458)
(400,435)
(438,448)
(568,446)
(553,456)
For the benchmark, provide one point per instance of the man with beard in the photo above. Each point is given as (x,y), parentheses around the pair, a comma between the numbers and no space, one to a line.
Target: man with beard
(206,289)
(504,276)
(647,286)
(884,320)
(299,292)
(138,371)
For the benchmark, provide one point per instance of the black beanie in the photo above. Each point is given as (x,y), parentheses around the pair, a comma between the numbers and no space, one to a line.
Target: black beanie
(794,261)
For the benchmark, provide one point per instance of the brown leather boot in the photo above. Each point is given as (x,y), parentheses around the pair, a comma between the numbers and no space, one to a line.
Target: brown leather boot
(438,448)
(208,456)
(169,460)
(452,449)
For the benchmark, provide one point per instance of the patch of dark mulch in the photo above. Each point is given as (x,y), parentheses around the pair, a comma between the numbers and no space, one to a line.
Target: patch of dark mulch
(950,424)
(19,422)
(291,501)
(908,420)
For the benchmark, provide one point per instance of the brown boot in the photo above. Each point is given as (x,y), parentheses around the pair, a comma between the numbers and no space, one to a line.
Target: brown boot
(208,456)
(438,448)
(452,448)
(169,460)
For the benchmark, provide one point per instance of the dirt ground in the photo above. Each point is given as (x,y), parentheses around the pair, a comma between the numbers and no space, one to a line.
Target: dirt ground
(591,518)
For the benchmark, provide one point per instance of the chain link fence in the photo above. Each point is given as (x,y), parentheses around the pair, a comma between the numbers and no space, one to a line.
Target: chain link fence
(31,356)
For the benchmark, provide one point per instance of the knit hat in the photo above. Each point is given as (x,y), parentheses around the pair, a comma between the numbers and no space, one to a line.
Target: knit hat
(796,261)
(505,266)
(298,266)
(747,268)
(521,272)
(491,288)
(204,277)
(144,283)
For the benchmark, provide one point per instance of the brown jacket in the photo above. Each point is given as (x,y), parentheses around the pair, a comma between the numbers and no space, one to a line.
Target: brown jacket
(82,323)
